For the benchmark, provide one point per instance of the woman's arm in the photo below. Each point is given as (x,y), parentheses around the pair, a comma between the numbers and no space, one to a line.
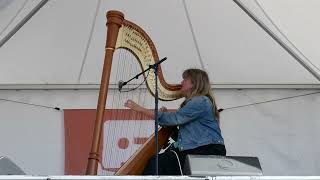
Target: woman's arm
(192,110)
(136,107)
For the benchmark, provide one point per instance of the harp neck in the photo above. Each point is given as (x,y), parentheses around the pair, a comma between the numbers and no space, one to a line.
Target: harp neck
(137,41)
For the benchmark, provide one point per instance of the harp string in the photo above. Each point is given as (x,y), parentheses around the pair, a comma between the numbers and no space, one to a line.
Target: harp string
(135,39)
(126,67)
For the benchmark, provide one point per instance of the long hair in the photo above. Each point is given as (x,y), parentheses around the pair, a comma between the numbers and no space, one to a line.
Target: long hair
(201,87)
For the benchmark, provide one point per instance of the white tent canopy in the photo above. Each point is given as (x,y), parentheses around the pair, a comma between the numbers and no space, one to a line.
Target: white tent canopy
(214,35)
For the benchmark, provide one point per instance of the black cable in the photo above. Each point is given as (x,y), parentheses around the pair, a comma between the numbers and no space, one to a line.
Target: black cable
(220,110)
(43,106)
(273,100)
(137,85)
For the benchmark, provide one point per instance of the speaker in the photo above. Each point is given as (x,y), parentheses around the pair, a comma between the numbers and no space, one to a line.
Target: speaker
(7,167)
(212,165)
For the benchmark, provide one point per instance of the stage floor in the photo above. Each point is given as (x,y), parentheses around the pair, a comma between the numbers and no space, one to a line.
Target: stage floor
(27,177)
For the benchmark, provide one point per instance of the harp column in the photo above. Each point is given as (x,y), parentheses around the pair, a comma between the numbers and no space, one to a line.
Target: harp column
(114,22)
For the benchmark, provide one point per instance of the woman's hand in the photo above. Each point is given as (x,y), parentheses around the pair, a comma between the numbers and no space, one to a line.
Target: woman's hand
(136,107)
(132,105)
(163,109)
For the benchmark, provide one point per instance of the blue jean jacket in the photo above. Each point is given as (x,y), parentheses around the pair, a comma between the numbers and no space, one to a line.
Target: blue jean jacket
(197,124)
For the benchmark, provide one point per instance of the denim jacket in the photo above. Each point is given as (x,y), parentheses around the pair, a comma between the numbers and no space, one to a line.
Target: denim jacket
(197,124)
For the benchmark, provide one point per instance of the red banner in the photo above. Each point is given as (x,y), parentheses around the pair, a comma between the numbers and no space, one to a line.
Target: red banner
(123,132)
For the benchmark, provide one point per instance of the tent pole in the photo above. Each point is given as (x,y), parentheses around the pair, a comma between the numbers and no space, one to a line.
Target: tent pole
(22,22)
(278,40)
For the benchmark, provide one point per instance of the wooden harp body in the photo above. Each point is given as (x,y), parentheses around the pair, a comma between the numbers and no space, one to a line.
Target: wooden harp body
(123,34)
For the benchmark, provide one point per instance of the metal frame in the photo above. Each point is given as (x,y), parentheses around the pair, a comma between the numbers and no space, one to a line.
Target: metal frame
(22,22)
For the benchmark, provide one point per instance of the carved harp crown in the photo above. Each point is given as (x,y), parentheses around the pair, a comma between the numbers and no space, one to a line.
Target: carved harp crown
(123,34)
(133,38)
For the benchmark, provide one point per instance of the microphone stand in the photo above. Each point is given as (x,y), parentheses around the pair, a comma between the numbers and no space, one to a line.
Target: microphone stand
(156,101)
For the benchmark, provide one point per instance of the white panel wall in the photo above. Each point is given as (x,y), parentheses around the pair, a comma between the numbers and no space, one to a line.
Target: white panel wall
(282,134)
(32,137)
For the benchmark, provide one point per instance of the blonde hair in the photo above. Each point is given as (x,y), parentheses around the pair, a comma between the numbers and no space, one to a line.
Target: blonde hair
(201,87)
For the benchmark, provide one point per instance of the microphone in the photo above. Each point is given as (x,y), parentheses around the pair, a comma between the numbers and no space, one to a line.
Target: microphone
(121,84)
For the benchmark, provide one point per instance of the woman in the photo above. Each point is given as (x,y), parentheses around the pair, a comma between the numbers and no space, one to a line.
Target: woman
(197,120)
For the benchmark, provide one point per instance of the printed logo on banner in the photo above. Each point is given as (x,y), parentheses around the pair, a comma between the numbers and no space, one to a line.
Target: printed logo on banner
(121,138)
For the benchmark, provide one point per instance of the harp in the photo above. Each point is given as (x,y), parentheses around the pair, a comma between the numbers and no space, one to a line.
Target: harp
(127,36)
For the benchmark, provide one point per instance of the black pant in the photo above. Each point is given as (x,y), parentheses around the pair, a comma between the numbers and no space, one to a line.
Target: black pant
(168,163)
